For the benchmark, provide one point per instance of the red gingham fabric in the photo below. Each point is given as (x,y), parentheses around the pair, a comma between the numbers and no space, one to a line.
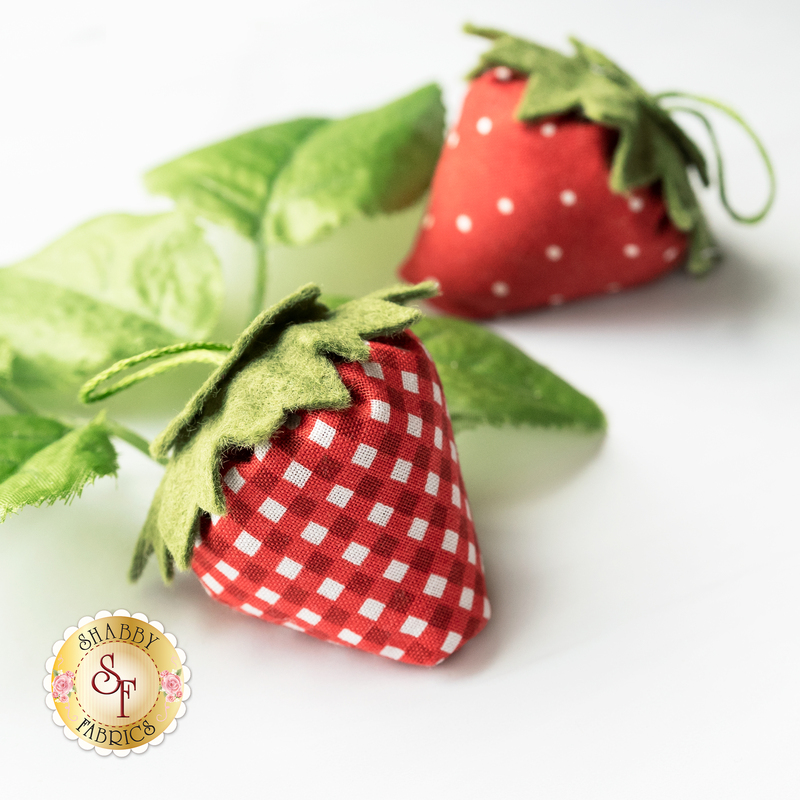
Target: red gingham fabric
(521,214)
(353,526)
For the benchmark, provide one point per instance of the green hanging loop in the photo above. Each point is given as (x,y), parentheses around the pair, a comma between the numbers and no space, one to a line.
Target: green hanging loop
(185,353)
(757,217)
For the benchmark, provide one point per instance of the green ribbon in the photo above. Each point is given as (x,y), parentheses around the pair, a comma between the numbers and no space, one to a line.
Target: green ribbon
(184,353)
(736,117)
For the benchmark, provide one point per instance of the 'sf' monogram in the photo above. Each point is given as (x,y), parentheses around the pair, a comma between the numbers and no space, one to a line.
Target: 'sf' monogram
(124,691)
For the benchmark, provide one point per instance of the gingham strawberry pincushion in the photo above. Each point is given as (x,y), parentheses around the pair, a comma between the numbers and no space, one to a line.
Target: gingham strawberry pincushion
(314,482)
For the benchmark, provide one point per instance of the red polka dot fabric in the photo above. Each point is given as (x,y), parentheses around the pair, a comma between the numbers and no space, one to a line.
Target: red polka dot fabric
(354,526)
(521,214)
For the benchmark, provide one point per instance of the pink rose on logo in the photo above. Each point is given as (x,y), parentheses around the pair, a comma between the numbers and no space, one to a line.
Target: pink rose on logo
(62,686)
(172,685)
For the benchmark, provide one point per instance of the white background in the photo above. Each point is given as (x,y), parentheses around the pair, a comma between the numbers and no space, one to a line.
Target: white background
(645,588)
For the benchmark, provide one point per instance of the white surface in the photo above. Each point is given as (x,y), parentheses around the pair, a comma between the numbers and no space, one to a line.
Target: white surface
(645,636)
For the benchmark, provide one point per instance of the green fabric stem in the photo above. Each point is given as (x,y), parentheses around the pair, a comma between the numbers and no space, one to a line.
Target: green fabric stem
(185,353)
(750,219)
(652,148)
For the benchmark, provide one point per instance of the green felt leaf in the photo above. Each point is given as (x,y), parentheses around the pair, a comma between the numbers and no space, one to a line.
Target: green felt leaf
(652,148)
(112,287)
(152,542)
(373,163)
(230,182)
(281,363)
(42,460)
(489,381)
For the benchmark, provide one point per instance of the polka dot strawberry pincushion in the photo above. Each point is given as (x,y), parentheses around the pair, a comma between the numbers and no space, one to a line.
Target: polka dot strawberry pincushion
(562,178)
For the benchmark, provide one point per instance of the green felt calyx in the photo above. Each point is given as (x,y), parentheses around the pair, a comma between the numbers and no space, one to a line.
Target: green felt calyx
(280,364)
(651,148)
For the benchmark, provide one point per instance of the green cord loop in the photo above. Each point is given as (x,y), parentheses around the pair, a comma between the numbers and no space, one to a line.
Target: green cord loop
(757,217)
(185,353)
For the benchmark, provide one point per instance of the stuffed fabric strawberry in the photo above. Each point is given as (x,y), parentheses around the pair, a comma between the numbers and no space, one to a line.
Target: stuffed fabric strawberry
(562,178)
(314,482)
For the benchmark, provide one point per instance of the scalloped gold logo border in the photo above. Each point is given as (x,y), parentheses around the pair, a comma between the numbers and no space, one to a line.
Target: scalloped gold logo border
(117,683)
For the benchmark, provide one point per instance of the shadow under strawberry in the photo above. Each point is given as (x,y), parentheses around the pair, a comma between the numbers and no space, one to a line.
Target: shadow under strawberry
(743,292)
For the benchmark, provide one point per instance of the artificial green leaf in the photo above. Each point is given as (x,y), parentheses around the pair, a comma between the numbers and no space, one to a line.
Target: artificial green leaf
(281,363)
(230,182)
(22,436)
(112,287)
(6,361)
(9,393)
(373,163)
(486,380)
(297,181)
(42,460)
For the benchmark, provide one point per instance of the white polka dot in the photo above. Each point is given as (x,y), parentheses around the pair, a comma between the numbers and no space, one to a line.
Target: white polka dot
(613,288)
(427,221)
(568,197)
(505,205)
(500,289)
(548,129)
(636,204)
(463,223)
(554,252)
(556,299)
(503,74)
(671,253)
(453,139)
(631,251)
(484,125)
